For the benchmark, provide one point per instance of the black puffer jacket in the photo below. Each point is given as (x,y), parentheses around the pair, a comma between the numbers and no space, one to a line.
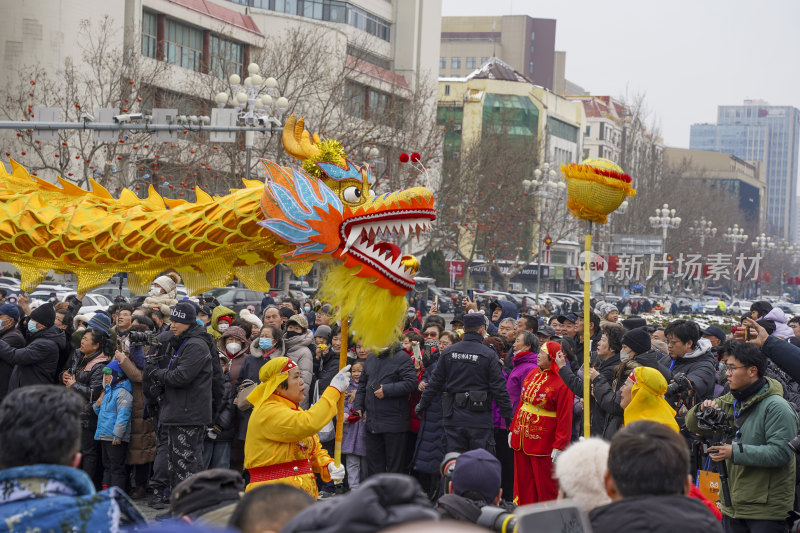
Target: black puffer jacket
(382,501)
(700,367)
(396,374)
(651,359)
(14,338)
(430,447)
(655,514)
(88,372)
(187,380)
(226,414)
(37,363)
(574,382)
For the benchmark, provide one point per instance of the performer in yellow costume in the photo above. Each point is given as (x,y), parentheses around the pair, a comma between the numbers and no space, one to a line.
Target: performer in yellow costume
(282,444)
(642,398)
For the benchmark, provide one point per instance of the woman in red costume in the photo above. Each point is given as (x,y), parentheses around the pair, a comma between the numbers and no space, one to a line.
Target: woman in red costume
(541,429)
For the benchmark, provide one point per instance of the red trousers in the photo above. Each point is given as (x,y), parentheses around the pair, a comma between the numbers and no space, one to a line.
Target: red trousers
(533,479)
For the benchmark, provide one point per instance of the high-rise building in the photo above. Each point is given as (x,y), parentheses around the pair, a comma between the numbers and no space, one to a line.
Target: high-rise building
(526,44)
(757,131)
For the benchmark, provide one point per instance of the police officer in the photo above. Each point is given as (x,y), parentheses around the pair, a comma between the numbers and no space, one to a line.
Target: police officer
(468,377)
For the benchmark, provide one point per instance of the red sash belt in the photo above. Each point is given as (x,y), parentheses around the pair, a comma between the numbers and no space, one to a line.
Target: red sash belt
(280,470)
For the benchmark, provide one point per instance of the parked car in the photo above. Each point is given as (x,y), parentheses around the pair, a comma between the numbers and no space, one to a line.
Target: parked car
(740,307)
(445,303)
(237,299)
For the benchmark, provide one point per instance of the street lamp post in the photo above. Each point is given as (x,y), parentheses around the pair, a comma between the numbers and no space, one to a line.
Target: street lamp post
(545,187)
(762,243)
(254,108)
(703,228)
(665,219)
(735,236)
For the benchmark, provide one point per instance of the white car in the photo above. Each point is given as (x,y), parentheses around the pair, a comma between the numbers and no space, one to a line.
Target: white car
(740,307)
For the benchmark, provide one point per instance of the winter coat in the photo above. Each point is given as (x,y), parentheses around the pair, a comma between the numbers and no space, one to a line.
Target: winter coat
(784,354)
(761,473)
(353,438)
(524,363)
(575,383)
(58,498)
(225,418)
(114,413)
(187,381)
(14,338)
(700,367)
(297,350)
(88,372)
(607,395)
(142,446)
(219,311)
(652,359)
(654,514)
(467,366)
(781,329)
(431,444)
(382,501)
(395,373)
(162,302)
(37,363)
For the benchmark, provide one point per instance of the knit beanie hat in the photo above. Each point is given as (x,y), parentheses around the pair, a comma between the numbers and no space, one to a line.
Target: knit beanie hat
(116,372)
(184,312)
(324,332)
(10,310)
(637,340)
(250,317)
(102,322)
(604,308)
(477,471)
(166,283)
(237,333)
(45,314)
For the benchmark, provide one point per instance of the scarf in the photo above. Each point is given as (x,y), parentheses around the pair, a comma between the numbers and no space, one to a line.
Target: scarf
(742,395)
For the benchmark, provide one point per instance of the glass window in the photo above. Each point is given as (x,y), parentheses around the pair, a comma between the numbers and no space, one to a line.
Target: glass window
(312,9)
(531,49)
(378,102)
(226,57)
(447,90)
(183,45)
(442,63)
(530,67)
(286,6)
(149,23)
(354,99)
(471,62)
(455,63)
(484,60)
(532,35)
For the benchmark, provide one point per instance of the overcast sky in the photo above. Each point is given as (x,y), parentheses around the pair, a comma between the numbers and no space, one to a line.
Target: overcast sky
(686,56)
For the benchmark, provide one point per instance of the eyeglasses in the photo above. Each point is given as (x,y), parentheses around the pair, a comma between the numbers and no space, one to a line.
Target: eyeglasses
(431,335)
(730,368)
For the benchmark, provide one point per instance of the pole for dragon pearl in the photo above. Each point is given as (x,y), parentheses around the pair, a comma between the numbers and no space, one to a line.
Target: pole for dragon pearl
(337,451)
(587,342)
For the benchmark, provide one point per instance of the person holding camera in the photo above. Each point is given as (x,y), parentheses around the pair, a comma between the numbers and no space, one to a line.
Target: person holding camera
(760,464)
(186,382)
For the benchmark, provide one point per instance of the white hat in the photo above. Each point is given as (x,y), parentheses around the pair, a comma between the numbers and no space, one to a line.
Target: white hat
(166,283)
(580,471)
(244,314)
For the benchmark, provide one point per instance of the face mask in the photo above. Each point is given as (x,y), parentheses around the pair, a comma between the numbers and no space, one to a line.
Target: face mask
(233,347)
(154,291)
(52,299)
(32,326)
(222,326)
(265,343)
(410,315)
(200,322)
(5,325)
(291,334)
(625,356)
(306,308)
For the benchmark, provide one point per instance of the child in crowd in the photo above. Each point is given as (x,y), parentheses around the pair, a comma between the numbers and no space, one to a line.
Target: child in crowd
(113,409)
(353,439)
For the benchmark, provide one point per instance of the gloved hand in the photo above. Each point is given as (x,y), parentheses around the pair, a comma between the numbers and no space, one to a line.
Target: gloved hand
(509,439)
(555,455)
(336,472)
(418,410)
(341,380)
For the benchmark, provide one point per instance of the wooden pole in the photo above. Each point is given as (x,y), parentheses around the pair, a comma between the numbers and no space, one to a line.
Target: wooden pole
(337,451)
(587,342)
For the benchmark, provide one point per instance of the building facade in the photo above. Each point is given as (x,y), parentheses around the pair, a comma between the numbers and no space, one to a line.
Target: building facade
(742,180)
(757,131)
(526,44)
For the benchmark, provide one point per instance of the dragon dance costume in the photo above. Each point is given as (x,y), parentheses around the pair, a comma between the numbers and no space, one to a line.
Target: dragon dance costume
(282,444)
(542,423)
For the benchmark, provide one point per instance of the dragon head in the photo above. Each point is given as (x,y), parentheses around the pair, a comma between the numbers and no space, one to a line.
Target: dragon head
(339,215)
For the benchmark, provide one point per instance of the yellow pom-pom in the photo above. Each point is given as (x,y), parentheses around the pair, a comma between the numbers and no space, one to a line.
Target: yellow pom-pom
(330,152)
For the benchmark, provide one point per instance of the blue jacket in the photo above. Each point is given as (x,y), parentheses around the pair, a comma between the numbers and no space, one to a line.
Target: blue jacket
(55,498)
(114,414)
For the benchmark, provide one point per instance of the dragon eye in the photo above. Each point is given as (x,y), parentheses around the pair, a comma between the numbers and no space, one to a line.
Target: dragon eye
(352,195)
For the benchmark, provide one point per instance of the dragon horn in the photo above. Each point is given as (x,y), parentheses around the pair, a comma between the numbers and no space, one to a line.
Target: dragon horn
(297,140)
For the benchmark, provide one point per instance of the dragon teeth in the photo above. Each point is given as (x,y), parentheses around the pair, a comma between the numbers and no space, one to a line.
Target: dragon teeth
(351,239)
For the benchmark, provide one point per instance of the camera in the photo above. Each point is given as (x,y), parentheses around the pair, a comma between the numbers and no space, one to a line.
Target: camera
(497,519)
(119,119)
(142,338)
(680,391)
(713,419)
(794,444)
(716,421)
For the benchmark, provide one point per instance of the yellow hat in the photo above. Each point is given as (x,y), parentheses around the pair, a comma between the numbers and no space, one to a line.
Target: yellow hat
(647,398)
(273,373)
